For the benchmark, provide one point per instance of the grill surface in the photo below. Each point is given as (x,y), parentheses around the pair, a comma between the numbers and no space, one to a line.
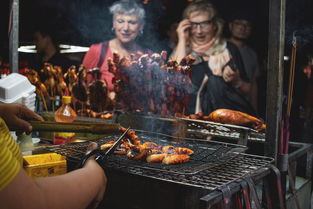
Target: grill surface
(212,166)
(214,177)
(205,155)
(196,128)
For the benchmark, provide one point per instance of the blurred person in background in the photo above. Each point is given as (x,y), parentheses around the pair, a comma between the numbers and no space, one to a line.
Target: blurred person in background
(128,24)
(48,50)
(82,188)
(218,75)
(240,27)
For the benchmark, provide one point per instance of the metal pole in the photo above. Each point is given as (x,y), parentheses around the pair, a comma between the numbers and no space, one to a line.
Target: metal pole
(275,75)
(13,35)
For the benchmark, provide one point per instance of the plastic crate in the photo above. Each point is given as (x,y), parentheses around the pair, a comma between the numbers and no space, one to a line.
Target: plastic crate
(50,164)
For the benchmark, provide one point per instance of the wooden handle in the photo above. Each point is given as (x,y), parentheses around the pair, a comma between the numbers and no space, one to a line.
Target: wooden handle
(82,127)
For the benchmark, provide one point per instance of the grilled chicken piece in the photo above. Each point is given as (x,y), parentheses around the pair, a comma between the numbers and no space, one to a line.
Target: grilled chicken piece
(98,92)
(156,158)
(183,150)
(175,158)
(168,148)
(50,82)
(41,89)
(107,145)
(131,135)
(233,117)
(61,86)
(137,154)
(106,116)
(150,145)
(79,88)
(71,77)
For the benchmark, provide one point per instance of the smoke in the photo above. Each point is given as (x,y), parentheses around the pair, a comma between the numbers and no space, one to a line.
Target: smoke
(92,22)
(299,23)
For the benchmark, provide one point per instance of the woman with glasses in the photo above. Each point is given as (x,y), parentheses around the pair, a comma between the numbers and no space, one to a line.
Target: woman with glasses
(128,24)
(218,76)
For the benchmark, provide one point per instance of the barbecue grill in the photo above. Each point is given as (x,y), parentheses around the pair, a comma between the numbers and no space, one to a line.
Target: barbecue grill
(213,166)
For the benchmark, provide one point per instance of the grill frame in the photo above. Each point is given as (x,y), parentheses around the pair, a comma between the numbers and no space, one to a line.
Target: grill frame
(209,178)
(206,155)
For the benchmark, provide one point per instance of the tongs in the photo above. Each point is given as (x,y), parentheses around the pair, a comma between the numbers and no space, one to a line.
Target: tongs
(101,156)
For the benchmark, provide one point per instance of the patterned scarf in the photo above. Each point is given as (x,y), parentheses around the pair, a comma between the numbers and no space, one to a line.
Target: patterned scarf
(214,52)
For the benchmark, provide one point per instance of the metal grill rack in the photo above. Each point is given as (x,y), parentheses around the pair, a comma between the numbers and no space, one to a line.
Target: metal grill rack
(214,177)
(210,176)
(200,128)
(205,155)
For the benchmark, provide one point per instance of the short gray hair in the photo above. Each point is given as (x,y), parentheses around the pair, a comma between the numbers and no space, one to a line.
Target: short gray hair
(128,7)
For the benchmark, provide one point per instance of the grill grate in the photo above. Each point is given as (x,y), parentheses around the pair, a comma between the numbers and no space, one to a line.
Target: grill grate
(211,177)
(206,155)
(214,177)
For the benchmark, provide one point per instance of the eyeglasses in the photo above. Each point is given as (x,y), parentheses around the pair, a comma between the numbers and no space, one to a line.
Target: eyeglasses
(203,25)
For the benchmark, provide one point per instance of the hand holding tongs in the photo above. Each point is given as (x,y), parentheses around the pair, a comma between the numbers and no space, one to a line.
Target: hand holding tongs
(100,154)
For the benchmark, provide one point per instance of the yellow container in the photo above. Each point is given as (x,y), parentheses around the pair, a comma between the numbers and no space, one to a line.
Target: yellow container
(50,164)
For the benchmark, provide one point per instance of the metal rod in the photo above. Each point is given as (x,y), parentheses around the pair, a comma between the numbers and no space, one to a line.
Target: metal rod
(275,75)
(13,35)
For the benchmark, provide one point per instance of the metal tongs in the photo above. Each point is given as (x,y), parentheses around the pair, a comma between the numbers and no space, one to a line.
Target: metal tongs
(101,156)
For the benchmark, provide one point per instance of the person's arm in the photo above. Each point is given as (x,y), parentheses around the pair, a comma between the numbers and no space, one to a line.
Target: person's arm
(78,189)
(183,33)
(254,94)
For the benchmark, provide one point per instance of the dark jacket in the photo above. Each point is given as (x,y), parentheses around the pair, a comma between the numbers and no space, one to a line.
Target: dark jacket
(217,93)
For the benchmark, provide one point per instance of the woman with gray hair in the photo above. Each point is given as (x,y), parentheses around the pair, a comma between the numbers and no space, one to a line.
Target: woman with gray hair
(218,76)
(128,24)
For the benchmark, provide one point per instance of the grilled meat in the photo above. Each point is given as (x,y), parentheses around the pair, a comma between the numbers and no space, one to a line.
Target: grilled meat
(175,158)
(156,158)
(149,151)
(183,150)
(236,118)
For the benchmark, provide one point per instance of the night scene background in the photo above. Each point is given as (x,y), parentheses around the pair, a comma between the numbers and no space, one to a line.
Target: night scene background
(84,22)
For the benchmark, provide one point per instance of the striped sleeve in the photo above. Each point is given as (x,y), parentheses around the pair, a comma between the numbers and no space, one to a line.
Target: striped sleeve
(10,156)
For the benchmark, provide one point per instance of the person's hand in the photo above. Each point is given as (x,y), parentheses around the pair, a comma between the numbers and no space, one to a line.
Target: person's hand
(183,30)
(15,116)
(102,186)
(112,95)
(230,75)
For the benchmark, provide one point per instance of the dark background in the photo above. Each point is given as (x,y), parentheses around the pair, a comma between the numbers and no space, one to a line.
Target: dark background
(84,22)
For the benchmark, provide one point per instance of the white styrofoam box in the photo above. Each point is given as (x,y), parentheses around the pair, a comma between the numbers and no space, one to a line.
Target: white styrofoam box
(16,88)
(31,98)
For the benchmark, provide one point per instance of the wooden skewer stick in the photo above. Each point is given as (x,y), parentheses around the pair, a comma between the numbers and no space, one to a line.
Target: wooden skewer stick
(291,75)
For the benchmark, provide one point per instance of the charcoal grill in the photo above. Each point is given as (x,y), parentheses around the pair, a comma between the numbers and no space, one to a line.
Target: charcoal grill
(205,155)
(213,163)
(171,186)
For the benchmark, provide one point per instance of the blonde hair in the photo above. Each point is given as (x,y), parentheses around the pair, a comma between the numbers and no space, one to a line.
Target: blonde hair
(206,7)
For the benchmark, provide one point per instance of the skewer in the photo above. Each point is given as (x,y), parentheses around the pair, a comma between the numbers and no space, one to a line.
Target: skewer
(291,75)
